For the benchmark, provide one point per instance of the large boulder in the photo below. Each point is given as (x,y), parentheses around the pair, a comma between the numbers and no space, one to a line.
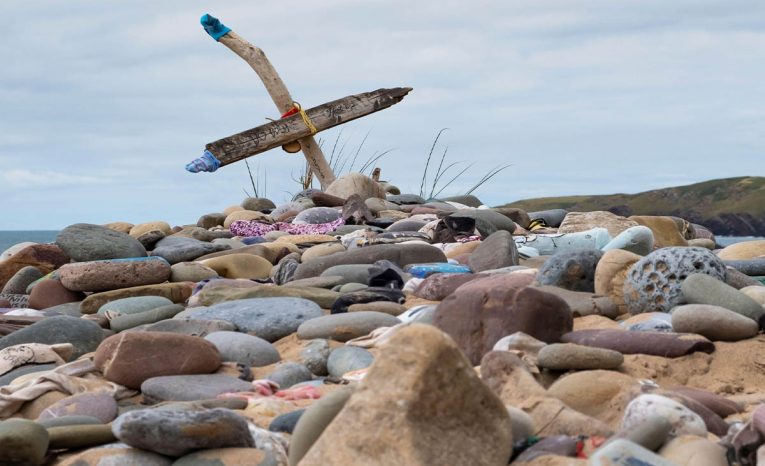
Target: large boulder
(482,311)
(437,411)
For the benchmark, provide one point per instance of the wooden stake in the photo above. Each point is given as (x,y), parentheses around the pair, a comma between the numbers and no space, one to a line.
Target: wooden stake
(281,97)
(277,133)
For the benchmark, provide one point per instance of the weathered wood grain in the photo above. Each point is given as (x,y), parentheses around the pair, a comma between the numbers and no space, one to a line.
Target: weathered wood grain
(275,134)
(256,58)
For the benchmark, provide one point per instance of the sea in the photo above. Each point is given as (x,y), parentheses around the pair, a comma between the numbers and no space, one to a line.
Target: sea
(10,237)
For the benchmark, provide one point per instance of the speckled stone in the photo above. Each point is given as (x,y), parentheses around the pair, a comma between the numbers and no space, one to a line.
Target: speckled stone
(653,284)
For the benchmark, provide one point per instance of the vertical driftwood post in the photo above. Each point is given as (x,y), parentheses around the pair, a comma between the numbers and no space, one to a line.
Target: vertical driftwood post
(275,87)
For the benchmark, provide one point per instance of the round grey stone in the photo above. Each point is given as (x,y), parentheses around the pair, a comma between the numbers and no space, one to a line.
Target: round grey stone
(191,387)
(21,280)
(348,358)
(84,335)
(713,322)
(703,289)
(268,318)
(572,270)
(344,327)
(176,249)
(286,422)
(316,215)
(257,203)
(193,327)
(175,433)
(288,374)
(134,305)
(86,242)
(244,349)
(315,355)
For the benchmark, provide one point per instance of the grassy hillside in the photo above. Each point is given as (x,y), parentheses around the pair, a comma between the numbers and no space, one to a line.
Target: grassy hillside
(739,195)
(712,203)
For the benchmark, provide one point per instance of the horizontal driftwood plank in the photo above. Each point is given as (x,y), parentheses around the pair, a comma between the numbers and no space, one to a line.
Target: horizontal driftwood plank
(277,133)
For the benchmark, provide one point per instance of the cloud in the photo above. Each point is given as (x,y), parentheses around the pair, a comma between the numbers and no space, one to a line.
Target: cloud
(28,179)
(110,101)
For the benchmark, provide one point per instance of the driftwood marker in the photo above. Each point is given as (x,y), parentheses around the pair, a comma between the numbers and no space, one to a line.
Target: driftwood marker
(297,125)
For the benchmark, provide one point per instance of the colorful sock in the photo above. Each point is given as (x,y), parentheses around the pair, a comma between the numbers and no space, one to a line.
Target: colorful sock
(206,163)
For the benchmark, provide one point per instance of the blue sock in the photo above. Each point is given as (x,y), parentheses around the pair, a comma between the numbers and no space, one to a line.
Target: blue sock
(214,27)
(206,163)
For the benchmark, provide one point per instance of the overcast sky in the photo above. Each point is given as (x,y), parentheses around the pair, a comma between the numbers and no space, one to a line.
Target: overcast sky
(103,103)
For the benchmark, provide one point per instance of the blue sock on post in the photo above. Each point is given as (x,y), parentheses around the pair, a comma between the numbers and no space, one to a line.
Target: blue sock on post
(206,163)
(214,27)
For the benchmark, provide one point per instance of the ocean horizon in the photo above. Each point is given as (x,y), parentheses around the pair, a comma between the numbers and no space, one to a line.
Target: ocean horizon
(10,237)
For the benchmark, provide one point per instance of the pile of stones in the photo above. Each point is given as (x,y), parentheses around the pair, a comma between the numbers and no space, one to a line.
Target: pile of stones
(358,325)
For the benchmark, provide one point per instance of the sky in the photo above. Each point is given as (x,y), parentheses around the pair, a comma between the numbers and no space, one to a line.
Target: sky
(103,103)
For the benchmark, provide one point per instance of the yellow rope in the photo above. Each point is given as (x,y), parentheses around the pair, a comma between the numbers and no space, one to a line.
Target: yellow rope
(306,120)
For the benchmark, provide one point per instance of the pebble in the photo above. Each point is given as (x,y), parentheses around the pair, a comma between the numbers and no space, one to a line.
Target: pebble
(23,442)
(128,321)
(668,345)
(175,433)
(622,452)
(287,374)
(49,293)
(553,218)
(267,318)
(464,415)
(315,355)
(175,292)
(344,327)
(481,312)
(247,266)
(258,203)
(21,280)
(85,242)
(176,249)
(244,349)
(119,454)
(100,406)
(583,303)
(683,420)
(348,358)
(567,356)
(313,422)
(714,322)
(665,230)
(193,327)
(400,254)
(575,222)
(573,270)
(286,422)
(191,387)
(212,322)
(549,244)
(129,358)
(637,239)
(349,184)
(494,252)
(385,307)
(228,457)
(703,289)
(744,250)
(83,335)
(133,305)
(113,274)
(690,450)
(317,215)
(653,284)
(80,436)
